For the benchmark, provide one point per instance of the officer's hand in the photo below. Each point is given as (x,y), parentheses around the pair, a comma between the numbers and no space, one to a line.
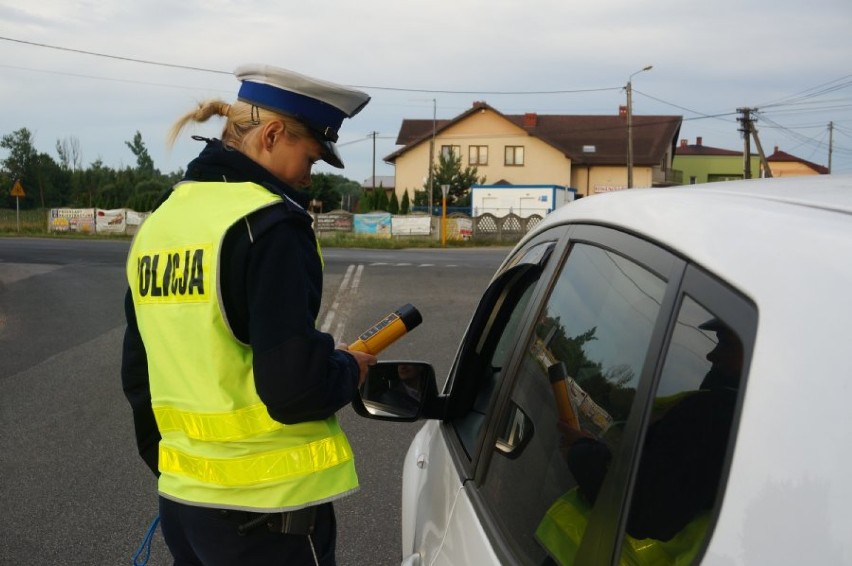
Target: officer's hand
(569,436)
(364,361)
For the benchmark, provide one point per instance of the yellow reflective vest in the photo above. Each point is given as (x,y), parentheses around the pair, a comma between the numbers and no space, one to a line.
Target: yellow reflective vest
(219,446)
(563,526)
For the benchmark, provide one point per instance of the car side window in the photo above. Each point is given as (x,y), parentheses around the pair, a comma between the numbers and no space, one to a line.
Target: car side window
(482,363)
(686,440)
(573,392)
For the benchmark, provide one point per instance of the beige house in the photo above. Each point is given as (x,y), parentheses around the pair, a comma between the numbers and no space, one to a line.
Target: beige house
(782,164)
(586,153)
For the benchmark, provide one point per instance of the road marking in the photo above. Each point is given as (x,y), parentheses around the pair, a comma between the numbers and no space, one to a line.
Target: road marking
(385,264)
(342,302)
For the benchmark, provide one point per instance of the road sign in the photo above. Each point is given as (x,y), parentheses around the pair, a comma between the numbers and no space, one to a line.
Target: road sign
(18,190)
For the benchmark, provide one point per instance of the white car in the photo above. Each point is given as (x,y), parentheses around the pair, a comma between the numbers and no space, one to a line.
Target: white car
(655,376)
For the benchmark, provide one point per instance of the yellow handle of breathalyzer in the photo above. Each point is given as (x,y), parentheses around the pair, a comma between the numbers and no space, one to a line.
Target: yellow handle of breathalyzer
(388,330)
(558,375)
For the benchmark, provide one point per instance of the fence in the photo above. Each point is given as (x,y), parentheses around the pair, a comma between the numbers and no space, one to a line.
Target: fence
(123,221)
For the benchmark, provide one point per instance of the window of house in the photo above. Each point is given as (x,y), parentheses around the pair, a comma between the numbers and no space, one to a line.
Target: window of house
(514,155)
(478,155)
(447,150)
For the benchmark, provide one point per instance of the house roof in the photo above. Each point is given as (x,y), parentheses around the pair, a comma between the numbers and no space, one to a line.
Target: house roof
(784,157)
(385,181)
(698,148)
(586,140)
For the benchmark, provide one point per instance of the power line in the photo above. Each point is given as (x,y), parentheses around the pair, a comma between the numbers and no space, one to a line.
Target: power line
(812,92)
(369,87)
(798,103)
(117,57)
(701,114)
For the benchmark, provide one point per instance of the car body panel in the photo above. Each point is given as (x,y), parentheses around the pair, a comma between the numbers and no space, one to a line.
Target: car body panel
(786,246)
(788,478)
(439,523)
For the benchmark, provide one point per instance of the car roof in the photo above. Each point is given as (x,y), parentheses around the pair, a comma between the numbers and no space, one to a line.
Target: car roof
(728,226)
(786,244)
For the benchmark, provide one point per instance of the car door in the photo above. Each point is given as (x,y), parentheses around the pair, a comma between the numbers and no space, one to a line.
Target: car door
(596,321)
(439,523)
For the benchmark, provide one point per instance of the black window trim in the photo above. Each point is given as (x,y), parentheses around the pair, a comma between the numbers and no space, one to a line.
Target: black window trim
(606,524)
(479,327)
(606,528)
(657,259)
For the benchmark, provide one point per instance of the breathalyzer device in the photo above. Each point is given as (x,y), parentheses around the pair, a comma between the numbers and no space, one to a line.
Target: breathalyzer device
(388,330)
(558,374)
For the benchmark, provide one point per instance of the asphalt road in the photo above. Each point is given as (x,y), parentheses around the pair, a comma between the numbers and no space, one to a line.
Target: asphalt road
(73,489)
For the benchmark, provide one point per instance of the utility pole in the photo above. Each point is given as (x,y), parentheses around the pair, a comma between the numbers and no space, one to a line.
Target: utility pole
(767,172)
(750,131)
(432,158)
(830,144)
(374,159)
(629,89)
(745,129)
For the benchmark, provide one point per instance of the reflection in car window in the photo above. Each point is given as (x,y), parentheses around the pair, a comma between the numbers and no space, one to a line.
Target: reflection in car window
(686,440)
(593,335)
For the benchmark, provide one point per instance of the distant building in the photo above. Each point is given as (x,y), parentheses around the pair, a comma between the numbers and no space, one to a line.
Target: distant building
(700,163)
(522,200)
(386,181)
(782,164)
(587,153)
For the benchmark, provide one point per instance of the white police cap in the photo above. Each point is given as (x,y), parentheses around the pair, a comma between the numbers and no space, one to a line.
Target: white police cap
(320,105)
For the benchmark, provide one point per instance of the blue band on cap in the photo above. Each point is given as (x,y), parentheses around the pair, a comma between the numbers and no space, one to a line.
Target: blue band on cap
(320,116)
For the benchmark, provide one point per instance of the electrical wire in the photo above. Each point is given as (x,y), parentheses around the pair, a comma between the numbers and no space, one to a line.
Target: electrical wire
(145,547)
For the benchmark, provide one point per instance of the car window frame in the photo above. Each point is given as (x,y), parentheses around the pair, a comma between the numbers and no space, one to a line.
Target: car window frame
(741,314)
(479,327)
(605,532)
(650,255)
(657,259)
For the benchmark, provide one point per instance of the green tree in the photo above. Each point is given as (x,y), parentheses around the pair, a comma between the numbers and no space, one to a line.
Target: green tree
(421,197)
(381,199)
(145,195)
(365,203)
(448,171)
(144,163)
(70,156)
(52,184)
(393,204)
(405,206)
(21,163)
(332,190)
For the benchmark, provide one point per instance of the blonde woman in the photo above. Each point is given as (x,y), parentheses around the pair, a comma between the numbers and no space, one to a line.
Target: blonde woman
(233,389)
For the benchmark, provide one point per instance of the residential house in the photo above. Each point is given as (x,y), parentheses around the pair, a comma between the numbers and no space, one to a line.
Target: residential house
(701,163)
(782,164)
(386,181)
(586,153)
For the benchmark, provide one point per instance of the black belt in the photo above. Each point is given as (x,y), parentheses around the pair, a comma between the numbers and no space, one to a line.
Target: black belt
(299,522)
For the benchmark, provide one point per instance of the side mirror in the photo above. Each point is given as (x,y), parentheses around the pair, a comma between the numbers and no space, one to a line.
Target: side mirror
(396,391)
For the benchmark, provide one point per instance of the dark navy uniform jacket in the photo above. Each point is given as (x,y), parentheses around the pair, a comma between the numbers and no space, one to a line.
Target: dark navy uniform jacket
(271,279)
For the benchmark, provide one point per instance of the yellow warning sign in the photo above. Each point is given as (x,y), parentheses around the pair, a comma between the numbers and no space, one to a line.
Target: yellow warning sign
(18,190)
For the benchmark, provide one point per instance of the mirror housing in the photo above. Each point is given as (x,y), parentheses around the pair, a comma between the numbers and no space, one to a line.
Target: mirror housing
(401,391)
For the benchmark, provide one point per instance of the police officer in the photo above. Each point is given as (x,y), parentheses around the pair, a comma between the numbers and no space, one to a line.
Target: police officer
(233,389)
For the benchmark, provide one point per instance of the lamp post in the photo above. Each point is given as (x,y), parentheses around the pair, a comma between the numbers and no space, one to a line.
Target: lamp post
(432,158)
(444,190)
(629,89)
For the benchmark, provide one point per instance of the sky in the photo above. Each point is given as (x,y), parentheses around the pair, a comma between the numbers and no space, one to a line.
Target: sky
(98,71)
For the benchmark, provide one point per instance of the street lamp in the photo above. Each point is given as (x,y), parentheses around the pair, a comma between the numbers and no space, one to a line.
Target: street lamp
(630,125)
(432,158)
(444,190)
